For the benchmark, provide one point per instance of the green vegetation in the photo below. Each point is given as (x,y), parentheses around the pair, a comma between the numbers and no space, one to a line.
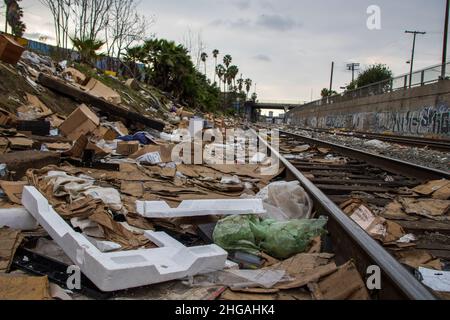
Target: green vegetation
(327,93)
(14,16)
(88,49)
(373,74)
(169,67)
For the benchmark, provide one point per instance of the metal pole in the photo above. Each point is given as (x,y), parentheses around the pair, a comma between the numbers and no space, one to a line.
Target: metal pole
(412,60)
(444,50)
(415,33)
(332,74)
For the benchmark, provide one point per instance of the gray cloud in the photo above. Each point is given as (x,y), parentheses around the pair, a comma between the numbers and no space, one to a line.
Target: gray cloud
(262,57)
(242,4)
(277,22)
(237,24)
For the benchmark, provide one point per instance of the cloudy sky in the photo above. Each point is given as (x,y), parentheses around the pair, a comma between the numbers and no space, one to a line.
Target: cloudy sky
(287,46)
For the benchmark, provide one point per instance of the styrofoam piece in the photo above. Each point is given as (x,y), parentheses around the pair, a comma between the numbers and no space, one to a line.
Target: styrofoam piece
(17,219)
(104,246)
(193,208)
(126,269)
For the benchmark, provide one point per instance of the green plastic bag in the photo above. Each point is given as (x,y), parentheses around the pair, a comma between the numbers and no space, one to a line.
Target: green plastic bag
(278,239)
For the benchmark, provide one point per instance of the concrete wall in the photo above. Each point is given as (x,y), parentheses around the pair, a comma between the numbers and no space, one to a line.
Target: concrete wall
(423,111)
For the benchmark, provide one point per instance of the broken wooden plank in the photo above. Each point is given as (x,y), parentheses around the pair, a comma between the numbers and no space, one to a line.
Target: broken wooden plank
(105,106)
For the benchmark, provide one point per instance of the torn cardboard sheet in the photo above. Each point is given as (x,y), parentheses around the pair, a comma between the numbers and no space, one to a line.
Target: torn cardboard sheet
(126,269)
(13,190)
(22,287)
(9,242)
(192,208)
(431,208)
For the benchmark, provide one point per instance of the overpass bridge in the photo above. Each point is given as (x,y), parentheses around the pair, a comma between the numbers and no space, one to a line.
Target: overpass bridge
(251,107)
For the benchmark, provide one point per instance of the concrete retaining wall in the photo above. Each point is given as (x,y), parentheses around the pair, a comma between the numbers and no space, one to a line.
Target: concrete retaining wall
(423,111)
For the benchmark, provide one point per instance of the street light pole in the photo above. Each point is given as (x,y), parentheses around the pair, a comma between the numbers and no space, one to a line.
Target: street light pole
(332,74)
(415,33)
(444,50)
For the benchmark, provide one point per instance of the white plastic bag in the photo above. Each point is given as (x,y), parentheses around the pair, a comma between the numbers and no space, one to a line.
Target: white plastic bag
(286,200)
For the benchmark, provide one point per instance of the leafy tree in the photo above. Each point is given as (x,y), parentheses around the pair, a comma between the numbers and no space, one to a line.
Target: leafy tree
(327,93)
(88,49)
(233,71)
(240,83)
(221,72)
(14,16)
(169,67)
(248,86)
(227,61)
(215,55)
(204,57)
(373,74)
(254,97)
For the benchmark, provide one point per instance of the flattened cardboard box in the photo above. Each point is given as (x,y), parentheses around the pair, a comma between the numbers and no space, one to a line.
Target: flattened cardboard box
(82,121)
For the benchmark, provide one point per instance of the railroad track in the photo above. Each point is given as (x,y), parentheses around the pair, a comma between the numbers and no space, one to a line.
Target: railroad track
(437,144)
(375,180)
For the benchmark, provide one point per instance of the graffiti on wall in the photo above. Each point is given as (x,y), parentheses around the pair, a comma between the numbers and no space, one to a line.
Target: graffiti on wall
(426,120)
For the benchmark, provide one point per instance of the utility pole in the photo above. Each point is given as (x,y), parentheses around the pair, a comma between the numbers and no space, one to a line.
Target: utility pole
(444,50)
(353,67)
(415,33)
(332,74)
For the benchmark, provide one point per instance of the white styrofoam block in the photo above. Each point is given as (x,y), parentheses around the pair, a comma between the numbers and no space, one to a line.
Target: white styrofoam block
(194,208)
(17,219)
(104,246)
(126,269)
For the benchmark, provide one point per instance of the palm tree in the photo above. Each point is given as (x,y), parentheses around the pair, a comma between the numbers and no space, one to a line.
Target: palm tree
(87,49)
(215,55)
(240,83)
(204,56)
(220,71)
(233,72)
(227,61)
(248,86)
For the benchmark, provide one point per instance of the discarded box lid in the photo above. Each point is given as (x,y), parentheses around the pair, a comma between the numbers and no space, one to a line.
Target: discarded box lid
(80,122)
(10,50)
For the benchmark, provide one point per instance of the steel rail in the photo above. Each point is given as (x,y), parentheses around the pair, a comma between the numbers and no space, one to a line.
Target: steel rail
(438,144)
(392,165)
(351,242)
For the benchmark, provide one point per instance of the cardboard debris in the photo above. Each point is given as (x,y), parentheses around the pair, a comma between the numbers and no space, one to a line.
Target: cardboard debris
(20,143)
(418,258)
(133,84)
(394,211)
(431,187)
(126,148)
(22,287)
(58,146)
(9,242)
(6,117)
(76,75)
(13,190)
(10,50)
(430,208)
(98,89)
(345,284)
(105,133)
(163,153)
(82,121)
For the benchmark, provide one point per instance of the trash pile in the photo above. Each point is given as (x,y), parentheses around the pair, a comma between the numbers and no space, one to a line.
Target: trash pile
(89,182)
